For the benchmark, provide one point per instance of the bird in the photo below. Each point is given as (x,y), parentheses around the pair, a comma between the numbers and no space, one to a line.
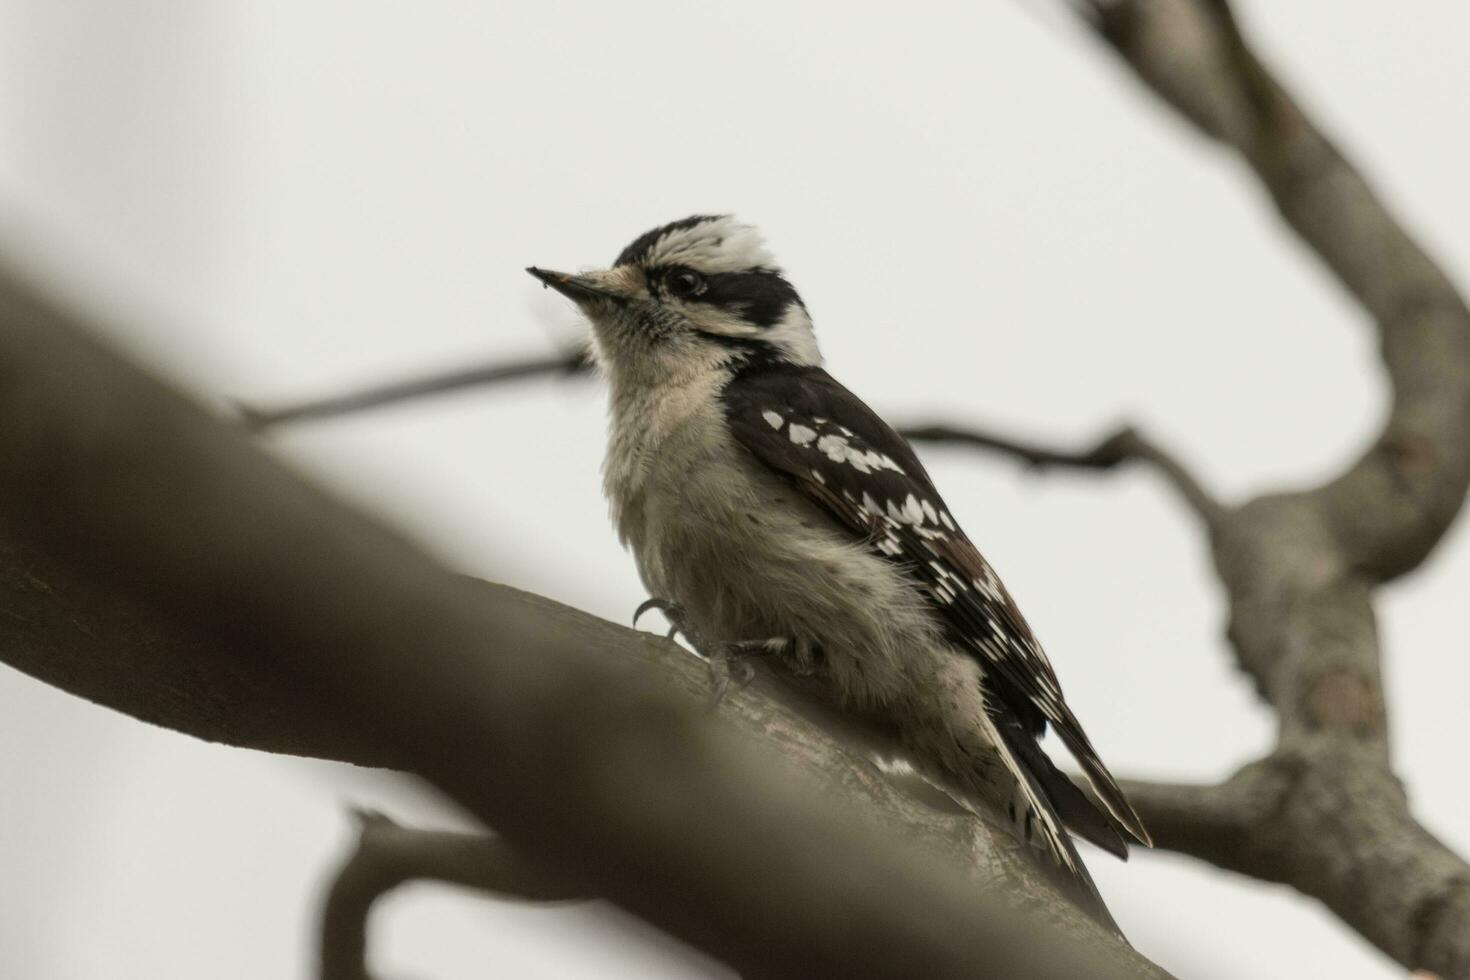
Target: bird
(771,513)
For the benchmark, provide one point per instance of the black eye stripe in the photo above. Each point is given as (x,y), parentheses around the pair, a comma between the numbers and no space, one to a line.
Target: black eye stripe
(759,296)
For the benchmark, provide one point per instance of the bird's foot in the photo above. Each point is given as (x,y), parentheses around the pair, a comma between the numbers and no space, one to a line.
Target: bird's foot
(728,660)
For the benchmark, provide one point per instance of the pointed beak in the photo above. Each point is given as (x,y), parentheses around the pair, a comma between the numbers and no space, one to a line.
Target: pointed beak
(579,288)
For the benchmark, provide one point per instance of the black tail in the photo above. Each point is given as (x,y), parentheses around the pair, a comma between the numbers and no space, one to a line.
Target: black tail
(1045,803)
(1080,814)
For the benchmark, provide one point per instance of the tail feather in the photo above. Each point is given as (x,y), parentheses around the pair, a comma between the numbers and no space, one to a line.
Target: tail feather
(1041,826)
(1079,814)
(1102,781)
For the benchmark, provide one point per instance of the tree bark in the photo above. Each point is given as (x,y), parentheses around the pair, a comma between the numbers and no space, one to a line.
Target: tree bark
(164,565)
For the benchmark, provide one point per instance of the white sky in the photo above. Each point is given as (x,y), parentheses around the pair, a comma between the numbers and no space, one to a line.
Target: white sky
(989,221)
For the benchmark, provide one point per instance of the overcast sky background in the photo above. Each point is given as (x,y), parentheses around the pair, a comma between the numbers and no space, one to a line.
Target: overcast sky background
(989,221)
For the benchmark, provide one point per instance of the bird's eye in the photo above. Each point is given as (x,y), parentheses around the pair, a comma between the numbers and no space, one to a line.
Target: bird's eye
(685,282)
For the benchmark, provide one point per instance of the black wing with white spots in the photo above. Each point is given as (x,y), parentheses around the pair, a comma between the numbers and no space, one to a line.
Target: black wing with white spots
(840,454)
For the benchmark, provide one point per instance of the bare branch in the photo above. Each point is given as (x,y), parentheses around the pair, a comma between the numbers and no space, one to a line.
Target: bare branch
(388,855)
(568,363)
(1324,811)
(1312,822)
(751,833)
(1392,506)
(1212,823)
(1125,445)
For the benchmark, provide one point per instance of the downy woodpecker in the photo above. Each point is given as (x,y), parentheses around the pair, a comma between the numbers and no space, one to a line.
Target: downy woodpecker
(771,511)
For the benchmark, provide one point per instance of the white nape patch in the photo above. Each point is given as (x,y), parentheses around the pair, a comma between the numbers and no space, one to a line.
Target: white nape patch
(793,334)
(720,244)
(774,420)
(801,435)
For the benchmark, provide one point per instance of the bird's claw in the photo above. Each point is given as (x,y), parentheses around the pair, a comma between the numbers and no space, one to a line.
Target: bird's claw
(673,612)
(662,605)
(728,661)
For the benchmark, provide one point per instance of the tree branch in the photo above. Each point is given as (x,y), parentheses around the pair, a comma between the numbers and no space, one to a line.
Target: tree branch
(566,364)
(1393,505)
(1324,811)
(388,855)
(1125,445)
(752,833)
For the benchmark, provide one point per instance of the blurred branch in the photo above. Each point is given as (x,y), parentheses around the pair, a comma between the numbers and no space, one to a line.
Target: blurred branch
(1324,811)
(234,587)
(1125,445)
(388,855)
(568,363)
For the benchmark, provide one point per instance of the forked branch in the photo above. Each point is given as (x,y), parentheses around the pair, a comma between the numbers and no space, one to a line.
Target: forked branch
(1324,811)
(388,855)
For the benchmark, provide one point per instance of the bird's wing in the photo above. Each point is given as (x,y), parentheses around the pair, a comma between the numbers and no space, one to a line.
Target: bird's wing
(839,453)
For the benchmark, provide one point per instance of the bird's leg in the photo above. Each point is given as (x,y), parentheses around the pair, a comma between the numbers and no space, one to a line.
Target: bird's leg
(732,659)
(726,658)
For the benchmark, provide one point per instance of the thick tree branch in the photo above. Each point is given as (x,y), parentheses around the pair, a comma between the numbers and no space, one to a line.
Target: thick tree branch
(752,833)
(388,855)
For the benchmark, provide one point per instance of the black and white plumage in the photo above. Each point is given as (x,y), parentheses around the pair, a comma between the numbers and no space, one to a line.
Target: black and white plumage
(771,503)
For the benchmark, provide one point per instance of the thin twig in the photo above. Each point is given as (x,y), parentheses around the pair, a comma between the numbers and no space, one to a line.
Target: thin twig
(568,363)
(1125,445)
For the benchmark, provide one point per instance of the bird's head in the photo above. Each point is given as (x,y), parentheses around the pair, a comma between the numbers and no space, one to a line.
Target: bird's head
(701,291)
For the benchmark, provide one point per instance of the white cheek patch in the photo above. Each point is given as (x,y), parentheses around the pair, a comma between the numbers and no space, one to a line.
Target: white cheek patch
(792,334)
(707,318)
